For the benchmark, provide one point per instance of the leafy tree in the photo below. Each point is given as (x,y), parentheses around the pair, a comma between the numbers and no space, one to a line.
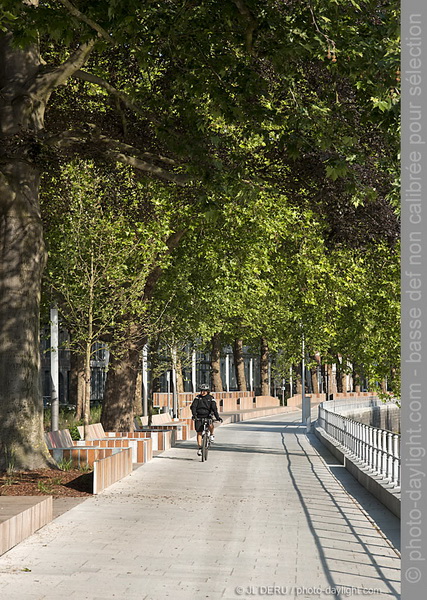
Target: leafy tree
(101,252)
(213,94)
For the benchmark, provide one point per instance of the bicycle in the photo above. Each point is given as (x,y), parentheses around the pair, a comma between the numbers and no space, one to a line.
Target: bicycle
(206,438)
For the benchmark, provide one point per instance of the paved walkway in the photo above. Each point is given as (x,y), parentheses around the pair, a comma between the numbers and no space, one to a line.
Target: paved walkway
(270,514)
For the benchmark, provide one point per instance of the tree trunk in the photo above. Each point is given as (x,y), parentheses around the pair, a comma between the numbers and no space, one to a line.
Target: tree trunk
(216,363)
(117,408)
(308,380)
(324,376)
(265,388)
(315,379)
(22,259)
(137,399)
(87,388)
(332,380)
(239,365)
(88,350)
(81,391)
(356,378)
(298,379)
(344,382)
(77,383)
(339,376)
(179,376)
(24,95)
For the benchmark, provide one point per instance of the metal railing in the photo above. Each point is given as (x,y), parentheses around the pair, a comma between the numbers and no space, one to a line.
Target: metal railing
(378,449)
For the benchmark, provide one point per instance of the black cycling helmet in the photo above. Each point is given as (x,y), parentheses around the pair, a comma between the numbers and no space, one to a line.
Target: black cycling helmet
(204,387)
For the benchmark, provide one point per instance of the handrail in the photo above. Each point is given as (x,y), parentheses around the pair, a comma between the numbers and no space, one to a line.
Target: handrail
(377,449)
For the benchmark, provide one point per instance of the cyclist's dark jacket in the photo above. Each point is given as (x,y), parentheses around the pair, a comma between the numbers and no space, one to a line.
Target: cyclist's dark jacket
(204,406)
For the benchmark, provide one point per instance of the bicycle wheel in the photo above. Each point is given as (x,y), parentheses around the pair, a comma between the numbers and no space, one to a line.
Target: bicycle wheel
(205,447)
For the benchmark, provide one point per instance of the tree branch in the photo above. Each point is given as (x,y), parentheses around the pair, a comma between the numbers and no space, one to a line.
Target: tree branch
(141,165)
(331,42)
(44,83)
(251,23)
(81,17)
(90,78)
(120,152)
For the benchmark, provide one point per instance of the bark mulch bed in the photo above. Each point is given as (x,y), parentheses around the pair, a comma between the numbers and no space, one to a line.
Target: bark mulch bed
(46,482)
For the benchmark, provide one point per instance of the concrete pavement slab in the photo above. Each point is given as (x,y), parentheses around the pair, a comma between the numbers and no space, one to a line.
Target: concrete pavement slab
(270,507)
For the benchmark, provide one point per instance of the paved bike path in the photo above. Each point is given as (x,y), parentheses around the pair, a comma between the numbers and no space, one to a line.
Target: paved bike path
(270,513)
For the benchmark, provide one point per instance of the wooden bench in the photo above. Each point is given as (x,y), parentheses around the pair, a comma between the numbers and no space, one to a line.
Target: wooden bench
(163,421)
(21,516)
(162,439)
(111,469)
(109,463)
(142,449)
(63,448)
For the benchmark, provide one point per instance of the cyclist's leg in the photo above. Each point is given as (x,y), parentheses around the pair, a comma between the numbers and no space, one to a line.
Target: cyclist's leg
(198,425)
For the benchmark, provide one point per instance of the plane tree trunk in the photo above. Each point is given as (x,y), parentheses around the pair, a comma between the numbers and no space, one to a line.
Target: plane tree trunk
(137,399)
(77,383)
(239,365)
(117,408)
(22,258)
(216,363)
(265,388)
(25,89)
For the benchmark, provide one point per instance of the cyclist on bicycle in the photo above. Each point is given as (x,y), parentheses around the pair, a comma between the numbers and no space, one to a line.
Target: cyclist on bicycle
(204,407)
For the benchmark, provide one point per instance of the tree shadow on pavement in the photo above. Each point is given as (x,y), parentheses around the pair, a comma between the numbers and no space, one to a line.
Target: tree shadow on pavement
(380,514)
(299,477)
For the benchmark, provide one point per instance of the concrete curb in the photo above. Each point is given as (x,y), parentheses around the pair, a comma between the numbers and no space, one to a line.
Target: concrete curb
(384,492)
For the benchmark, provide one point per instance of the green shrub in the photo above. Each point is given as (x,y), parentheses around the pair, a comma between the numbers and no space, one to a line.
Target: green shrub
(74,432)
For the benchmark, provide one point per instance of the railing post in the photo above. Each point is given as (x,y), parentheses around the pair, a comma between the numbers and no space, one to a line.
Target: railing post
(345,432)
(390,456)
(384,452)
(379,455)
(355,438)
(358,439)
(370,449)
(366,445)
(396,459)
(360,452)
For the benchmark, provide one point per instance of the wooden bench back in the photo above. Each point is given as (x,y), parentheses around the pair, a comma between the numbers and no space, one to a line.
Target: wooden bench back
(59,439)
(95,431)
(160,419)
